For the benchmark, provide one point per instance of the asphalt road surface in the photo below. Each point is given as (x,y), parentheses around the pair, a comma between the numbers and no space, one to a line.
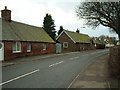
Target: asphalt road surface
(54,72)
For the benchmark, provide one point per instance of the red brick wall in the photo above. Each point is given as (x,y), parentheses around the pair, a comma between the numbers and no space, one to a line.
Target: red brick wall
(71,45)
(36,49)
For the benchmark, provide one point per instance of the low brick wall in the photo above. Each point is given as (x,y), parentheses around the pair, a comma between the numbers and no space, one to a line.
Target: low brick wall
(114,61)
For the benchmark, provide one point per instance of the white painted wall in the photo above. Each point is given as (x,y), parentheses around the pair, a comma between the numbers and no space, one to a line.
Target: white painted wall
(118,43)
(109,45)
(1,51)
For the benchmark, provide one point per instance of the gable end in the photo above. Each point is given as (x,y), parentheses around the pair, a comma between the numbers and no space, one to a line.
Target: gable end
(67,35)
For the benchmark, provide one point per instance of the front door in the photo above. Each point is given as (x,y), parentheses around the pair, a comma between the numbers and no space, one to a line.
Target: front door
(1,51)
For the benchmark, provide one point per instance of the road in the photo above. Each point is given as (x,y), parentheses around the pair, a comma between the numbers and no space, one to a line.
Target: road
(54,72)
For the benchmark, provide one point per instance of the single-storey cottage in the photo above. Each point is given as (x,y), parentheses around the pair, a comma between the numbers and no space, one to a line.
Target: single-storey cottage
(19,39)
(74,41)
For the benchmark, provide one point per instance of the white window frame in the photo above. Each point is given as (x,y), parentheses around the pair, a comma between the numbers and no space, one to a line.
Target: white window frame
(16,47)
(64,46)
(44,46)
(29,47)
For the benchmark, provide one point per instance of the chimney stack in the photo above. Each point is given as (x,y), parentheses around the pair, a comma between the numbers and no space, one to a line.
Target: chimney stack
(78,31)
(6,14)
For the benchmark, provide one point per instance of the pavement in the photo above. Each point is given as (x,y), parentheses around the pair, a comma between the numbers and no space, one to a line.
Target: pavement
(95,75)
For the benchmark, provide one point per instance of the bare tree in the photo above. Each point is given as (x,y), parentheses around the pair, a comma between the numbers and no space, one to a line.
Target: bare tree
(104,13)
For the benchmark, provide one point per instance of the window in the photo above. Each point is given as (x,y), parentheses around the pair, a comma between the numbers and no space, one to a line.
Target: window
(44,46)
(16,47)
(1,45)
(29,47)
(65,45)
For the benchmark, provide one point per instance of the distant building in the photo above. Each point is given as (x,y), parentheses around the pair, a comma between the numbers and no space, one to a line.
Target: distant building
(118,42)
(107,41)
(19,39)
(74,41)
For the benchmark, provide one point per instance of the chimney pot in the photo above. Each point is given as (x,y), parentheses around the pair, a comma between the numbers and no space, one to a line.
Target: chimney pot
(5,7)
(6,14)
(78,31)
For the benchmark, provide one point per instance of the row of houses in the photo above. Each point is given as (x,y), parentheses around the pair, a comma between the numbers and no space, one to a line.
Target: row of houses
(19,39)
(106,40)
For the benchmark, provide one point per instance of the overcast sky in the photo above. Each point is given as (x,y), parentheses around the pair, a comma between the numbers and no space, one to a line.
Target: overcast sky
(63,12)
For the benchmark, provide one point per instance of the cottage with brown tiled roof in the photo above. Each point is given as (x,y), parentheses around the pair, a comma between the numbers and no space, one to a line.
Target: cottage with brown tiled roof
(74,41)
(19,39)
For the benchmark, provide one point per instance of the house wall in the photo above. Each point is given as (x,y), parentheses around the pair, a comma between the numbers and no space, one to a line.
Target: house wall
(83,46)
(36,49)
(109,45)
(71,45)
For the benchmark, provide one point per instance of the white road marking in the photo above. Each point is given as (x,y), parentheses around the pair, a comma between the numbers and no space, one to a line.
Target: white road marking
(85,54)
(72,82)
(74,58)
(107,82)
(93,53)
(56,64)
(19,77)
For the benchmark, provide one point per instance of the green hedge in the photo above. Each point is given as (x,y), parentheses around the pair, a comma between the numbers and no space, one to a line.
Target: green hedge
(100,46)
